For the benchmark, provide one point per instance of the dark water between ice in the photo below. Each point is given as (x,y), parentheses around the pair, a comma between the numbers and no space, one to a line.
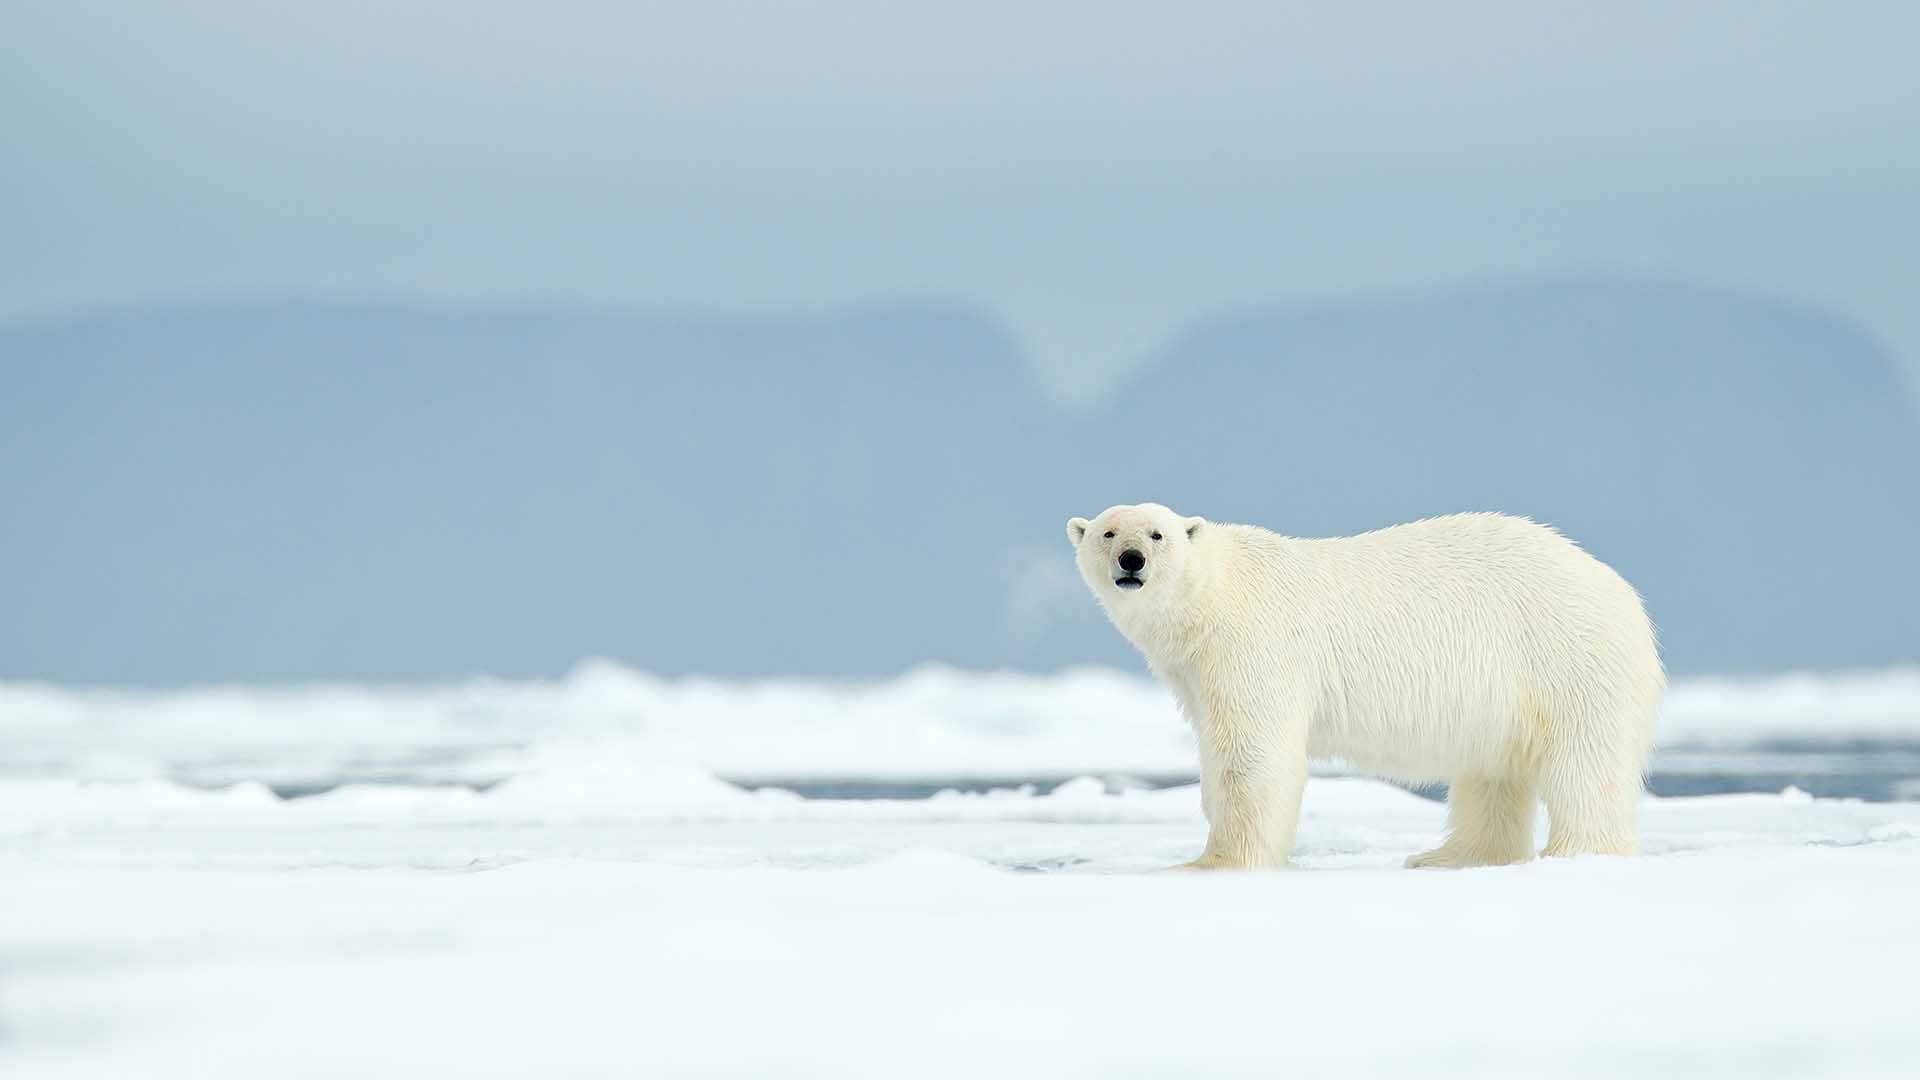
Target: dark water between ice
(1881,771)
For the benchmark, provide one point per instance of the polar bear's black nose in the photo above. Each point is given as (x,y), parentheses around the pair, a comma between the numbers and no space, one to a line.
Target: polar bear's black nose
(1131,561)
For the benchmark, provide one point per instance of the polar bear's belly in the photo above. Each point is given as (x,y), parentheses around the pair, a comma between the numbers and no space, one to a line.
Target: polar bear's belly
(1419,739)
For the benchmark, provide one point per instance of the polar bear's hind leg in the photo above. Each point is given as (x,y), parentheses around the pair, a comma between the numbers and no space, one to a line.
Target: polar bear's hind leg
(1489,823)
(1592,779)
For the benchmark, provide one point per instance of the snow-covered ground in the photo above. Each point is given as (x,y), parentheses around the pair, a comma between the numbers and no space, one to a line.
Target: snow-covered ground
(610,908)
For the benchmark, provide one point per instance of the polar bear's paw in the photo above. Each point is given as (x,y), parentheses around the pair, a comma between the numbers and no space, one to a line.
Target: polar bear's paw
(1219,862)
(1447,857)
(1440,858)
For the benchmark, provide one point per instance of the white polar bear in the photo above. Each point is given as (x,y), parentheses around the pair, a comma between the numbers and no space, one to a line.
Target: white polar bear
(1480,649)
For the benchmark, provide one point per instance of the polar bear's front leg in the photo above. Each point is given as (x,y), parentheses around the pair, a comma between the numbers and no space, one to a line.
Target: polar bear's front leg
(1253,773)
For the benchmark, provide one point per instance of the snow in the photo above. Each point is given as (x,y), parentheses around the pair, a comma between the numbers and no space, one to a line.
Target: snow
(1856,705)
(930,722)
(159,931)
(609,907)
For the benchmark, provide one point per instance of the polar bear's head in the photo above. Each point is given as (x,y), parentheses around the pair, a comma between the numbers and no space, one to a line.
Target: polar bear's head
(1128,549)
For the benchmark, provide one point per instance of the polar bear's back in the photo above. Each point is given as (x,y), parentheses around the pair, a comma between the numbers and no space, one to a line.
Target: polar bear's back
(1456,641)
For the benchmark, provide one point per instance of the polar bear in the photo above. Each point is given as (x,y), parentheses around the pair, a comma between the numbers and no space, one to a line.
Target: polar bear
(1480,649)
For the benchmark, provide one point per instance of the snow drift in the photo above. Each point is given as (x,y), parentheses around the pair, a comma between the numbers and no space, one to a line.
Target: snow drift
(606,720)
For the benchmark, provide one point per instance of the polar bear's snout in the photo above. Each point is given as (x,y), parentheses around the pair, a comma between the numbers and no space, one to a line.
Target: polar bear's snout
(1127,547)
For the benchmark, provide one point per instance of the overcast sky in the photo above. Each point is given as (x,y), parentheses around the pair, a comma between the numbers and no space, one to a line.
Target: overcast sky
(1096,176)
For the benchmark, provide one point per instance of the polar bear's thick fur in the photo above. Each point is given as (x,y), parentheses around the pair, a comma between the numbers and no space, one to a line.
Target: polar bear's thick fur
(1480,649)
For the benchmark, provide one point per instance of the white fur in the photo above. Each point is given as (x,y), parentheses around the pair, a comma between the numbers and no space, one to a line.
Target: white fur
(1480,649)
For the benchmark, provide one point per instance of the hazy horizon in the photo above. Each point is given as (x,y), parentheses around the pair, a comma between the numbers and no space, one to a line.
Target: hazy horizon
(292,491)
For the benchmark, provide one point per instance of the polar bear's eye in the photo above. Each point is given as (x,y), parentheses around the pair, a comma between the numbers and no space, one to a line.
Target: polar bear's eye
(1156,536)
(1109,534)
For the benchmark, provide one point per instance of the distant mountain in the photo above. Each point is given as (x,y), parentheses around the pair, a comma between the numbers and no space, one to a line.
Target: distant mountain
(1754,468)
(299,491)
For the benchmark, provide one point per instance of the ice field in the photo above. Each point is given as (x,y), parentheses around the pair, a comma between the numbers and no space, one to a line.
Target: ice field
(499,879)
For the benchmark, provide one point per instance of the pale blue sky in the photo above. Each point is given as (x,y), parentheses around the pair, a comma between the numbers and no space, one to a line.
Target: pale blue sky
(1097,176)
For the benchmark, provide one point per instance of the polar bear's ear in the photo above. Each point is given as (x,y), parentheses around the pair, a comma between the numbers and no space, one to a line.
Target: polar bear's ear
(1076,530)
(1193,526)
